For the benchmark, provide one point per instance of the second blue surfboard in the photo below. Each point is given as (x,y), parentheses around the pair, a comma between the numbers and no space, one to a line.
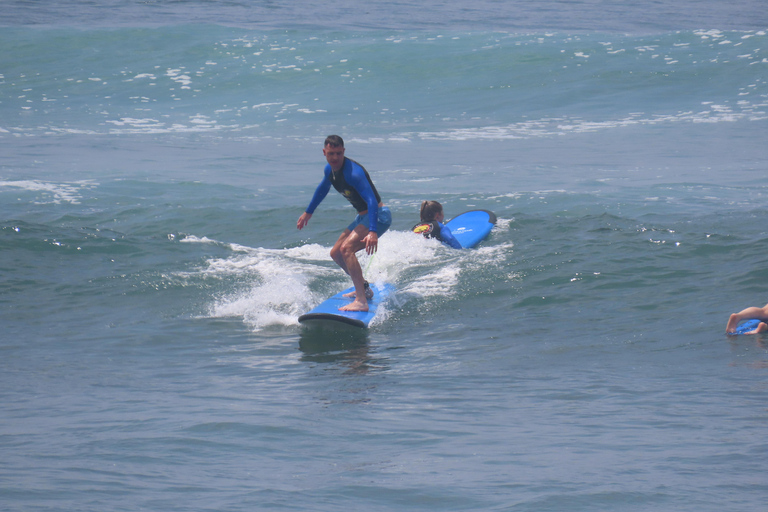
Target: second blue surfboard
(470,228)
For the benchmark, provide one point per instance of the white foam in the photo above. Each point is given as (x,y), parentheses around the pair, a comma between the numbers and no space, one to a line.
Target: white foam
(57,192)
(548,127)
(275,299)
(439,283)
(277,285)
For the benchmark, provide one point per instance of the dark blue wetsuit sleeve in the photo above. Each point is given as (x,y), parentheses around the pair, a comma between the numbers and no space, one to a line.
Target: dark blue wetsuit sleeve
(448,238)
(321,191)
(358,180)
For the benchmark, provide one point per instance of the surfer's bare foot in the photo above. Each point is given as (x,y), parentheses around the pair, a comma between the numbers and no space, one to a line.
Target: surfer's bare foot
(352,295)
(356,305)
(368,293)
(733,321)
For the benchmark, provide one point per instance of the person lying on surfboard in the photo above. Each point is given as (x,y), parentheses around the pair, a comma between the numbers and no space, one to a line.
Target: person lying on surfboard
(751,313)
(373,219)
(432,226)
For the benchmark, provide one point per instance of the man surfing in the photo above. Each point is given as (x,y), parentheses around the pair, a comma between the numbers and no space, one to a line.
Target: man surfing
(373,219)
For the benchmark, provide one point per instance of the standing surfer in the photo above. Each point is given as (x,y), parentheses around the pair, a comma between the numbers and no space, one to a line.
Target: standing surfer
(373,219)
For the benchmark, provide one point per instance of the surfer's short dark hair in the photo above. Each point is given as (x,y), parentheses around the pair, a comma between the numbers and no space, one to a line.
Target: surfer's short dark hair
(334,140)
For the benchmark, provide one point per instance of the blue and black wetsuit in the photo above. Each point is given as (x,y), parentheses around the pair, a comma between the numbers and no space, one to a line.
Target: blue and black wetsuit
(437,230)
(354,183)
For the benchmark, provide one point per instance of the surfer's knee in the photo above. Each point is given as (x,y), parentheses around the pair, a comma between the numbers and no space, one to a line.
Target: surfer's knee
(346,251)
(349,247)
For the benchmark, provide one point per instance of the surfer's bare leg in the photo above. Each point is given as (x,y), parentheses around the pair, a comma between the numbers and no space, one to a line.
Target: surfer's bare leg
(336,251)
(748,314)
(344,254)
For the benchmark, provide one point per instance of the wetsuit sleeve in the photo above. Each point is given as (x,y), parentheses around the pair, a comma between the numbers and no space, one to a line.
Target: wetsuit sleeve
(448,238)
(358,180)
(320,192)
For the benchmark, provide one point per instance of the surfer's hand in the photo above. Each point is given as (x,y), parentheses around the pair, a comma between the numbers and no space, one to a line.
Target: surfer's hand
(303,220)
(371,242)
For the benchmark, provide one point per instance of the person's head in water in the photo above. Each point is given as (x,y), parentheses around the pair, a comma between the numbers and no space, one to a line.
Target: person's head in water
(431,211)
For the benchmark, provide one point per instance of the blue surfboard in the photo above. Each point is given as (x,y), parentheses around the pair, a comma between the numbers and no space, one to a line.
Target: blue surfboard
(470,228)
(328,311)
(747,326)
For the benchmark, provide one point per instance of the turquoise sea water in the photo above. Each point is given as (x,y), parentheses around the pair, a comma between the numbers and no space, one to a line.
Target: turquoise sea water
(154,158)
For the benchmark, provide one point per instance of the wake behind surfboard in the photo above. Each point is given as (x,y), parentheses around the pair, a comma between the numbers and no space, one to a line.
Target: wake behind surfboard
(328,311)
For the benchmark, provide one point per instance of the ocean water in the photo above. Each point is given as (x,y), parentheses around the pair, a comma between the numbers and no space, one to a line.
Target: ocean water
(154,159)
